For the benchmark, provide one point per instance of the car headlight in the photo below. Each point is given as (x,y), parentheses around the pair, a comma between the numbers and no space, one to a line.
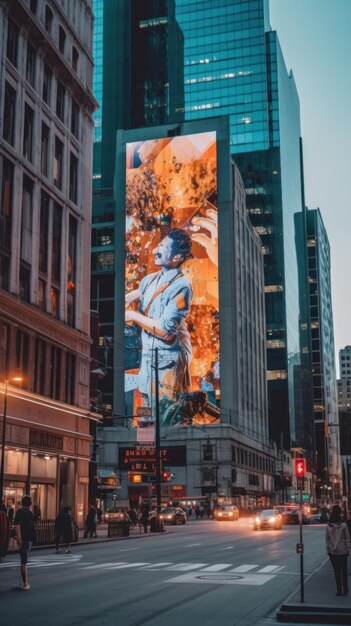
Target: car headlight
(257,520)
(271,520)
(230,514)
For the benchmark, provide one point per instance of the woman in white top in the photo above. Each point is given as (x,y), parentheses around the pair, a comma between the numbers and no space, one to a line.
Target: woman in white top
(338,544)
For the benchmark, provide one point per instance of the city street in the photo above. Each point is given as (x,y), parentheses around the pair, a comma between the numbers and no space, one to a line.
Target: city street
(203,573)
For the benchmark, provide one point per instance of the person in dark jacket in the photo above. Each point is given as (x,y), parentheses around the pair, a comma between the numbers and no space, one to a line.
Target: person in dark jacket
(338,545)
(91,522)
(64,529)
(25,535)
(4,533)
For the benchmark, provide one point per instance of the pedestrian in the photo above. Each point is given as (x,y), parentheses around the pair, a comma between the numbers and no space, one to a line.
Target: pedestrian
(4,533)
(64,529)
(133,517)
(197,511)
(25,535)
(91,522)
(10,511)
(338,545)
(145,517)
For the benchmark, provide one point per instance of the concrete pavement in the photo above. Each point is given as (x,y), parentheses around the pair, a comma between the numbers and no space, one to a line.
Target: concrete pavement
(321,605)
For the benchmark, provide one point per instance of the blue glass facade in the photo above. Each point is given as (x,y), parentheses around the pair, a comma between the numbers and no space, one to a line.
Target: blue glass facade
(225,66)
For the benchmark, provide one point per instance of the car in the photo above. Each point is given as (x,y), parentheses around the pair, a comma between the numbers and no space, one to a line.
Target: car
(113,514)
(226,512)
(173,515)
(268,518)
(285,511)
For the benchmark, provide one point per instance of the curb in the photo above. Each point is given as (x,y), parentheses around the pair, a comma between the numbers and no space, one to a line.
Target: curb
(88,542)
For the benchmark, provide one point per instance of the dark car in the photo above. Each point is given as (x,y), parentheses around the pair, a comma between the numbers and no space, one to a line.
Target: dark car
(227,512)
(269,518)
(173,515)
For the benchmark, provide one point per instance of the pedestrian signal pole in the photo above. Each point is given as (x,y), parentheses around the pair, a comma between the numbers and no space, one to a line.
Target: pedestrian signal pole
(300,471)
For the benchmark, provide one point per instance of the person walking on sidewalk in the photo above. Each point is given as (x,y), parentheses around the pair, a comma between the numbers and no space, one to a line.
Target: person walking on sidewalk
(4,533)
(25,535)
(338,545)
(64,529)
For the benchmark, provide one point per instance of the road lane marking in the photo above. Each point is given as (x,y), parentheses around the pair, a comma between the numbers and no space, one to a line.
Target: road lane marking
(104,565)
(243,568)
(183,567)
(216,568)
(270,568)
(228,548)
(222,579)
(156,565)
(190,545)
(127,565)
(129,549)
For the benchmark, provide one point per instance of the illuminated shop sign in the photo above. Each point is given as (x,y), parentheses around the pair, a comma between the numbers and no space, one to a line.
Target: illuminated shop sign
(171,275)
(133,459)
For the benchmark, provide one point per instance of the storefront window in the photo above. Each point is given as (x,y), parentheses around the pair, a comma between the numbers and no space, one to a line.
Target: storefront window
(16,462)
(43,466)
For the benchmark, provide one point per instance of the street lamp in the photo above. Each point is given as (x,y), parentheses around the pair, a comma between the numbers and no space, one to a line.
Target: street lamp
(16,379)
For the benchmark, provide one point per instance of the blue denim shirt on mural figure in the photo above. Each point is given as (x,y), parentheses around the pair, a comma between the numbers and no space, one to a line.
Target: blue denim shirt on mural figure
(174,355)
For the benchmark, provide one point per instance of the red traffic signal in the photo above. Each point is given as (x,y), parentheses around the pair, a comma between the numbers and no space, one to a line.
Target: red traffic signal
(166,476)
(300,468)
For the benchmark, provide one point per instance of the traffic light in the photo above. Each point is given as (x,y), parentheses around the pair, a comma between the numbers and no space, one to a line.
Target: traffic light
(300,468)
(166,476)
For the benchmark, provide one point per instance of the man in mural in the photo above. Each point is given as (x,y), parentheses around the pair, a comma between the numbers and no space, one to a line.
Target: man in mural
(164,299)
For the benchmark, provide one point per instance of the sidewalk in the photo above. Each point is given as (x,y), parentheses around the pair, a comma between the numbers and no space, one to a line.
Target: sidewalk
(134,532)
(321,605)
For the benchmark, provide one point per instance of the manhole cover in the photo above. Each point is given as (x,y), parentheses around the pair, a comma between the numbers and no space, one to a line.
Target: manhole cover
(219,577)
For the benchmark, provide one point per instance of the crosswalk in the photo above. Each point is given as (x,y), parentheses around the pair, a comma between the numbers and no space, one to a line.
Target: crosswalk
(185,572)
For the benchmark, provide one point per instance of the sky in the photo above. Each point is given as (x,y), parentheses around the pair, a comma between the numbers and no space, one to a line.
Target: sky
(315,37)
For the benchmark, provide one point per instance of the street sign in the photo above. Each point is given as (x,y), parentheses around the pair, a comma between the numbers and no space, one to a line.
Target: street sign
(299,548)
(144,411)
(300,483)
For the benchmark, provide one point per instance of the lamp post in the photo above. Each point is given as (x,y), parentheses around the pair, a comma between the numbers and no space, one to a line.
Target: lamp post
(4,415)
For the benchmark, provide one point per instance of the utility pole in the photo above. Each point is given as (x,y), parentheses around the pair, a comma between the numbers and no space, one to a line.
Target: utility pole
(157,445)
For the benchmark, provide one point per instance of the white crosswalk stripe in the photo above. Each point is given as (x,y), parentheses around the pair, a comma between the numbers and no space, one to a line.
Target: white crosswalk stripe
(215,573)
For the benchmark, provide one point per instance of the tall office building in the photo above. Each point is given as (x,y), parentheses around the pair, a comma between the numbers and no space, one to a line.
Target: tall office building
(46,106)
(325,405)
(233,66)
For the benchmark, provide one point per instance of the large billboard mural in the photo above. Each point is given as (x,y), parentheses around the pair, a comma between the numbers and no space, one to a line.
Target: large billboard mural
(171,274)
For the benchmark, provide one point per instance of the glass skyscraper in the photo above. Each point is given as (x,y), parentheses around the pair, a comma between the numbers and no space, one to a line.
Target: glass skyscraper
(232,65)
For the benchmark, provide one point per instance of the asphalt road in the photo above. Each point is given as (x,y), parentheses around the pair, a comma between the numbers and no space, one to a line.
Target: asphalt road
(204,573)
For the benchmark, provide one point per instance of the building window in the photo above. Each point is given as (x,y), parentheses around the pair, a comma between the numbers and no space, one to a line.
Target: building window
(9,114)
(6,178)
(54,302)
(47,79)
(71,270)
(44,232)
(41,294)
(73,178)
(26,238)
(75,57)
(30,65)
(48,19)
(60,101)
(33,6)
(70,378)
(62,40)
(12,42)
(56,244)
(44,154)
(28,132)
(39,367)
(55,373)
(74,119)
(22,351)
(208,452)
(4,272)
(58,163)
